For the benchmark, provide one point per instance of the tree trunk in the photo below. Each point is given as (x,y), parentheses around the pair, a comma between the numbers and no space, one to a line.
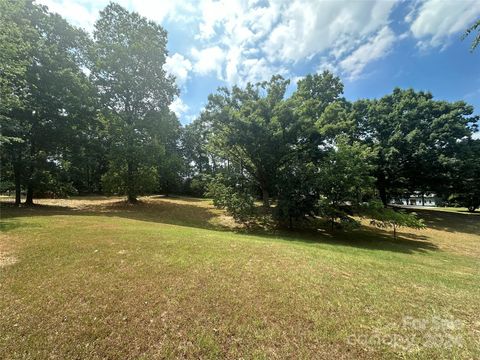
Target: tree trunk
(382,189)
(423,199)
(16,174)
(31,171)
(29,199)
(265,198)
(131,196)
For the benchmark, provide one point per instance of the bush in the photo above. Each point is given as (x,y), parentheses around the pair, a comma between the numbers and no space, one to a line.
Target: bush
(239,204)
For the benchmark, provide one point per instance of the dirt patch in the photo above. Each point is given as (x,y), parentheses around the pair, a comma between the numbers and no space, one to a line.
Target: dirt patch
(6,259)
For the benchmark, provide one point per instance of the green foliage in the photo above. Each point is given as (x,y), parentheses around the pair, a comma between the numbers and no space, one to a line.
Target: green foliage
(247,124)
(297,191)
(128,58)
(229,195)
(338,215)
(46,98)
(415,139)
(310,154)
(145,180)
(466,191)
(382,217)
(472,29)
(344,174)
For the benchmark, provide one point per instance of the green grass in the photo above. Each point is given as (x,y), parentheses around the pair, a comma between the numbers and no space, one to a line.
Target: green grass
(169,278)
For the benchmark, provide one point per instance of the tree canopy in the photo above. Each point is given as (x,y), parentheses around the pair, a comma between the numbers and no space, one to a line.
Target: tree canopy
(90,113)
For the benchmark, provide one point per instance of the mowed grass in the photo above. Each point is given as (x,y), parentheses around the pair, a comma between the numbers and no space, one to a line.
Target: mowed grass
(172,278)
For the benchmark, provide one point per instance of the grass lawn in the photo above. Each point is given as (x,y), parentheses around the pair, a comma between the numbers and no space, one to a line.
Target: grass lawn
(168,278)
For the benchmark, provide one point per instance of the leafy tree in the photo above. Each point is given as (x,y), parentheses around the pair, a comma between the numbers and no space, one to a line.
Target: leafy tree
(199,160)
(385,218)
(318,115)
(15,55)
(250,127)
(231,193)
(415,139)
(466,189)
(319,110)
(297,189)
(50,97)
(171,164)
(128,57)
(344,179)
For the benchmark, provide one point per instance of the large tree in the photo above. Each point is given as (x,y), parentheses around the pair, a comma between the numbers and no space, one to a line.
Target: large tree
(49,96)
(128,57)
(250,127)
(415,138)
(466,177)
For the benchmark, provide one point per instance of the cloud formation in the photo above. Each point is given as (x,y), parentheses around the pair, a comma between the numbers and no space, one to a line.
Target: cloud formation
(238,41)
(434,22)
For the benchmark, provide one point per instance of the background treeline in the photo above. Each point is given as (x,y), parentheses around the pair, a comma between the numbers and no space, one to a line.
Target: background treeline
(87,114)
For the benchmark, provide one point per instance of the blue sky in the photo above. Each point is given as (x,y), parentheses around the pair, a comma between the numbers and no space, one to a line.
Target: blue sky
(373,46)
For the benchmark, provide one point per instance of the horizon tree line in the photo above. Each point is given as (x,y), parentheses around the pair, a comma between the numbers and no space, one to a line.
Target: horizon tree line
(87,114)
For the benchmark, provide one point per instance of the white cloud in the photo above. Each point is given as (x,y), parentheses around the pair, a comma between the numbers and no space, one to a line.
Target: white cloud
(83,13)
(249,40)
(308,28)
(160,11)
(178,66)
(76,11)
(262,38)
(376,48)
(433,22)
(208,60)
(179,107)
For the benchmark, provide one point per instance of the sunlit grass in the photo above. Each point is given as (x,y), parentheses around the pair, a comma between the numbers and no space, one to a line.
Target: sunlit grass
(96,278)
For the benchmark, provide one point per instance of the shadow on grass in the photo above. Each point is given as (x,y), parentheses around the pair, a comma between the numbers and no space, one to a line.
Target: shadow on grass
(363,237)
(455,222)
(185,212)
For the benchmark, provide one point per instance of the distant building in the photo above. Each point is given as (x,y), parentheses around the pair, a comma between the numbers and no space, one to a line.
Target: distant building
(417,199)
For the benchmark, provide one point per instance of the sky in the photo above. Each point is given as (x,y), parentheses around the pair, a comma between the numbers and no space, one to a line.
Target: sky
(373,46)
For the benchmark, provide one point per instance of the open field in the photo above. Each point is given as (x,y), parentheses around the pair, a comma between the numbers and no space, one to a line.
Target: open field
(168,278)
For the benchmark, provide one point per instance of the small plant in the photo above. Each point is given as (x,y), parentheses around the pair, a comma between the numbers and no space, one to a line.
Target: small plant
(337,215)
(385,218)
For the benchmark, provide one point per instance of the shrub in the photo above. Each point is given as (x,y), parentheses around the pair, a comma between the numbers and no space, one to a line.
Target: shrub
(239,203)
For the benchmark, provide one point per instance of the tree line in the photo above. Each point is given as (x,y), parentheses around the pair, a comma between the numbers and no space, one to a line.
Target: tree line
(85,114)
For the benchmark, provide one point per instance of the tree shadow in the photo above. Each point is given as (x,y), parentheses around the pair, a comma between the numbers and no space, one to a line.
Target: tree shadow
(198,214)
(450,221)
(363,237)
(178,198)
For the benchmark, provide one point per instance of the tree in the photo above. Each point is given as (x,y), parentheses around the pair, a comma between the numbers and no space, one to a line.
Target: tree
(344,179)
(199,160)
(472,29)
(466,190)
(171,164)
(49,98)
(385,218)
(128,57)
(415,139)
(250,127)
(15,55)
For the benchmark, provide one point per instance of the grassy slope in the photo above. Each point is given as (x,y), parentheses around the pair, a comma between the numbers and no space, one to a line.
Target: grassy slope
(98,279)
